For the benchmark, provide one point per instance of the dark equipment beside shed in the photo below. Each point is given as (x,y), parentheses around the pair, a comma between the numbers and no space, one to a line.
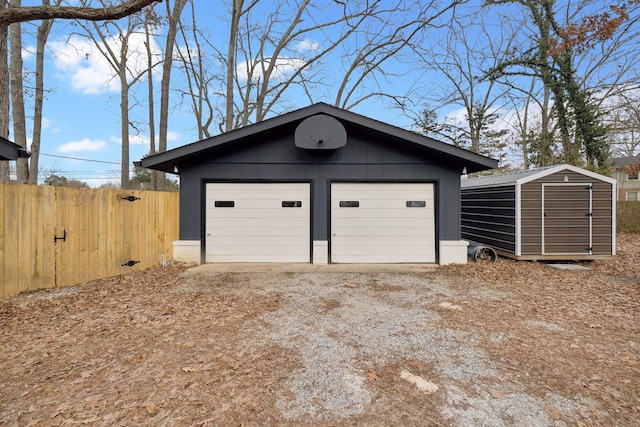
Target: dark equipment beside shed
(481,253)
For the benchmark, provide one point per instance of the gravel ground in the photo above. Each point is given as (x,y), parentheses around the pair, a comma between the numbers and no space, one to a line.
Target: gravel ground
(504,344)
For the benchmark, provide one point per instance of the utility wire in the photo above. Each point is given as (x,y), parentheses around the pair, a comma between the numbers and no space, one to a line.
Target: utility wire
(78,158)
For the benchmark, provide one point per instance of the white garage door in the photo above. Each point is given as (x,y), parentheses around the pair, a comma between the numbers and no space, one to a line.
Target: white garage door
(382,223)
(257,222)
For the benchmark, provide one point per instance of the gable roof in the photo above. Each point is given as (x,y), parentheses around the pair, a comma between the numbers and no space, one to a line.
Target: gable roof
(522,177)
(11,151)
(167,160)
(625,161)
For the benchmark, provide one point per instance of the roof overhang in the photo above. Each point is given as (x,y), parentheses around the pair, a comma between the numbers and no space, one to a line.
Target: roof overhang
(11,151)
(170,161)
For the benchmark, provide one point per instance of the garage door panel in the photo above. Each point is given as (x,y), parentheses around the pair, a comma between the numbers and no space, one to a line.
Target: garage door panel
(382,228)
(384,259)
(384,197)
(257,257)
(398,213)
(258,228)
(338,223)
(392,242)
(253,241)
(387,232)
(248,214)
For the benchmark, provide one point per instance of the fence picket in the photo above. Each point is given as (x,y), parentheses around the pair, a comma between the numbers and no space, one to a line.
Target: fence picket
(102,232)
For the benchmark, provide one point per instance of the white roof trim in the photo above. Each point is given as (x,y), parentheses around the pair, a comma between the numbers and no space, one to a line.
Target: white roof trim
(558,168)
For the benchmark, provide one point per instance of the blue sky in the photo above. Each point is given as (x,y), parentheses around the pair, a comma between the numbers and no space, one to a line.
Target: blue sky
(81,110)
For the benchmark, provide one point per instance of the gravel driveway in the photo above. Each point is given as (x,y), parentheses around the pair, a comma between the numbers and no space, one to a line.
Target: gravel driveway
(505,344)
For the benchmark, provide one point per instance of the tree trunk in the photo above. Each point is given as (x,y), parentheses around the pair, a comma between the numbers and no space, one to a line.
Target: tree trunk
(124,124)
(17,96)
(4,94)
(152,123)
(236,10)
(174,17)
(41,41)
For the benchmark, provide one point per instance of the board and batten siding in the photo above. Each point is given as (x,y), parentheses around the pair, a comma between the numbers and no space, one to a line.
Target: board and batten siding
(365,158)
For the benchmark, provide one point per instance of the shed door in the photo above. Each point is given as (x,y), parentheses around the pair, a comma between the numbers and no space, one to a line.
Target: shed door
(258,222)
(382,223)
(566,219)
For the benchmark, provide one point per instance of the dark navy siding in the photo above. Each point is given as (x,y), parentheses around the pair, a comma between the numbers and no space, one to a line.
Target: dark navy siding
(366,157)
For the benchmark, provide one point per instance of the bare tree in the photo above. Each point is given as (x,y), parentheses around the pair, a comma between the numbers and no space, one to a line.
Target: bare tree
(173,17)
(623,120)
(394,28)
(17,95)
(4,92)
(41,40)
(193,59)
(9,15)
(112,40)
(12,15)
(460,62)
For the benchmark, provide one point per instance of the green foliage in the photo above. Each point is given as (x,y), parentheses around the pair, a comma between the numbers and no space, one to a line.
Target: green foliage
(542,149)
(63,181)
(142,180)
(628,217)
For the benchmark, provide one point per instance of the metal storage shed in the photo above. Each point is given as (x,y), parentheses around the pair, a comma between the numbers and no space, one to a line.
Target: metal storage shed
(558,212)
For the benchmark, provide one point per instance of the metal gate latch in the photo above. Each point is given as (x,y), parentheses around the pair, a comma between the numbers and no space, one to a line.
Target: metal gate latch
(131,198)
(63,238)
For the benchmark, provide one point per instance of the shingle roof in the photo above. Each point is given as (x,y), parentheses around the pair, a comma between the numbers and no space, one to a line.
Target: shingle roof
(625,161)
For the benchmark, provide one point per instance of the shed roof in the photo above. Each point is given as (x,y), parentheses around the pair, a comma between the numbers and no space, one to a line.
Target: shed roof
(11,151)
(168,160)
(522,177)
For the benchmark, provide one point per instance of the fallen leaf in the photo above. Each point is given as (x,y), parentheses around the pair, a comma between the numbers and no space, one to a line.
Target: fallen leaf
(372,376)
(553,412)
(350,285)
(151,409)
(449,306)
(497,394)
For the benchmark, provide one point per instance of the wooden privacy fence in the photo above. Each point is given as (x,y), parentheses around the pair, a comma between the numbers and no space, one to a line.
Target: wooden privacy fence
(58,236)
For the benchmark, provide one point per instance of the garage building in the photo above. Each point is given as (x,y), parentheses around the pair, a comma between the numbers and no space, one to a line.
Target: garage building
(320,185)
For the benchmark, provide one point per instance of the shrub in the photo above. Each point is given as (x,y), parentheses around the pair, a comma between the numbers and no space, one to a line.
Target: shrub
(628,217)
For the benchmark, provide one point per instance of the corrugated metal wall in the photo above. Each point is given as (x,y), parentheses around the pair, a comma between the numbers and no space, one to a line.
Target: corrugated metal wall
(489,216)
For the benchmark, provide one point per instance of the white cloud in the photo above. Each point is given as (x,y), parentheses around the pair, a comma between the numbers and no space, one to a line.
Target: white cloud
(143,140)
(28,52)
(79,60)
(283,67)
(83,145)
(307,45)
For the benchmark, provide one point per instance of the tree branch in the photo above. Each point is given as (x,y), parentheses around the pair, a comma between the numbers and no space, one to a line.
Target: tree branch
(12,15)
